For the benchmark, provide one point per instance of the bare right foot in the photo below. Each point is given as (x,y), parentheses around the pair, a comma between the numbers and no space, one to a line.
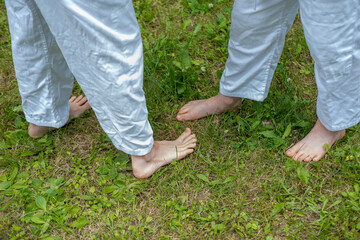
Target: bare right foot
(201,108)
(312,147)
(162,153)
(78,105)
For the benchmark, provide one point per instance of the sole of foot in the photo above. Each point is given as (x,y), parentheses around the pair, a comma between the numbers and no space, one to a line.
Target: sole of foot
(163,153)
(312,147)
(201,108)
(78,105)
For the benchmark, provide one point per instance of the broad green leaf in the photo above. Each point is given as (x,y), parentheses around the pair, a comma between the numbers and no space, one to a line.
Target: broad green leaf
(5,185)
(229,179)
(184,58)
(181,88)
(3,178)
(300,214)
(254,125)
(80,222)
(303,124)
(122,157)
(197,29)
(51,192)
(37,220)
(58,181)
(269,134)
(303,174)
(357,188)
(45,227)
(92,190)
(113,173)
(13,174)
(36,183)
(219,228)
(203,177)
(215,182)
(86,197)
(102,170)
(18,122)
(109,188)
(17,109)
(19,185)
(27,153)
(186,23)
(335,203)
(287,131)
(278,207)
(41,202)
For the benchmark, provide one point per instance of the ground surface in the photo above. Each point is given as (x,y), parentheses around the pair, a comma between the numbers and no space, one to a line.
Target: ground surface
(238,184)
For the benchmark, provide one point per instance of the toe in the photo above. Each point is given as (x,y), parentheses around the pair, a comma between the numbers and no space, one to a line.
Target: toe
(184,135)
(190,139)
(308,158)
(185,153)
(181,116)
(188,145)
(72,99)
(78,99)
(178,117)
(316,158)
(299,156)
(82,101)
(291,152)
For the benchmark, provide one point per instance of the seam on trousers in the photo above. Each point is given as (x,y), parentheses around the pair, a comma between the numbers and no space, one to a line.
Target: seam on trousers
(36,12)
(271,59)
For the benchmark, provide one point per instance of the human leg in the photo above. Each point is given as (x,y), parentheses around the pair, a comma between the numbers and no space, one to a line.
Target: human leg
(256,40)
(331,31)
(44,80)
(102,45)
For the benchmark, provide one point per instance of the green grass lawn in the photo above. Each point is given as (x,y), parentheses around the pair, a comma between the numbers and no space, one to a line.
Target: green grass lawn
(238,184)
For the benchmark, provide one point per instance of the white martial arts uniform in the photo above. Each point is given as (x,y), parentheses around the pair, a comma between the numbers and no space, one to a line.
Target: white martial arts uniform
(332,32)
(99,43)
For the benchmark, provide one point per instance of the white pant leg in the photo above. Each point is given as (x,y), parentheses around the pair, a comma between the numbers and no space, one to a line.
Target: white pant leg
(45,82)
(257,37)
(101,43)
(332,32)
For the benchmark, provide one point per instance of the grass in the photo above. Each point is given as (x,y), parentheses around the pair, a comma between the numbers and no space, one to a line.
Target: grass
(238,184)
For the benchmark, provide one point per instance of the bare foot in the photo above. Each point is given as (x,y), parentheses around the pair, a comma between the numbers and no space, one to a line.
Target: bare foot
(78,105)
(312,147)
(202,108)
(162,153)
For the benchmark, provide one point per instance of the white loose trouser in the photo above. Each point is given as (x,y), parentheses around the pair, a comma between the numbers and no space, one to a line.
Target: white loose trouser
(332,32)
(99,43)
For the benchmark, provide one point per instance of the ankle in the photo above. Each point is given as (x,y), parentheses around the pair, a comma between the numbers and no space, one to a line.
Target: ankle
(150,156)
(230,101)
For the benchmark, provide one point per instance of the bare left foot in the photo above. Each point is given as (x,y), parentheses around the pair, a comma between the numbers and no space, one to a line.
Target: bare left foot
(78,105)
(312,147)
